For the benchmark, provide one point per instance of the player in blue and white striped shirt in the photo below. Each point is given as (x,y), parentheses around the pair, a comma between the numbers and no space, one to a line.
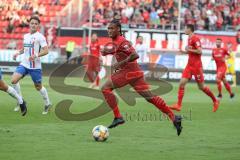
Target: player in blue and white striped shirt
(35,46)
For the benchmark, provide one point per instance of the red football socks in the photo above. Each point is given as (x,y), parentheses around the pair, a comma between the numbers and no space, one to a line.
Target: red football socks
(97,81)
(112,102)
(219,86)
(180,95)
(208,92)
(161,105)
(228,87)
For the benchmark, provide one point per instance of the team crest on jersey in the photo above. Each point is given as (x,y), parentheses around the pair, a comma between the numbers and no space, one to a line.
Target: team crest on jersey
(126,47)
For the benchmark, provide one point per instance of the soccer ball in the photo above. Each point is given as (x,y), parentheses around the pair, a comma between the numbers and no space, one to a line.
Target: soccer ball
(100,133)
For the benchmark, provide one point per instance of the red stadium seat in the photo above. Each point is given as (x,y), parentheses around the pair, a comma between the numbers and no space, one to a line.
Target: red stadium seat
(21,12)
(25,30)
(14,36)
(48,8)
(27,12)
(18,30)
(4,24)
(19,44)
(17,36)
(57,8)
(9,35)
(47,2)
(63,2)
(6,41)
(51,14)
(4,12)
(45,19)
(4,35)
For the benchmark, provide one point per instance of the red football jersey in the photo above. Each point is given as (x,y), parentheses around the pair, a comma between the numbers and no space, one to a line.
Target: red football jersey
(194,60)
(219,55)
(95,49)
(123,48)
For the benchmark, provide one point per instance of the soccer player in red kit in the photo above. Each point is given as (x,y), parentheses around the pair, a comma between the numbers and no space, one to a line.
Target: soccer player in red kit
(94,61)
(193,68)
(220,55)
(127,71)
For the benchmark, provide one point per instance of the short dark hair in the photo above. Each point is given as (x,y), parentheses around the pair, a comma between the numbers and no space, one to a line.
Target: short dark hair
(35,18)
(191,27)
(219,39)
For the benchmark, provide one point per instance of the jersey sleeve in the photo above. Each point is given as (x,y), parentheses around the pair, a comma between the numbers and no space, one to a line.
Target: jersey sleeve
(226,52)
(42,41)
(197,43)
(126,47)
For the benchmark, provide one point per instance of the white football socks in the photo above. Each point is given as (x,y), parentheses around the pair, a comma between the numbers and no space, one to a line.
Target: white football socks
(12,92)
(17,88)
(44,94)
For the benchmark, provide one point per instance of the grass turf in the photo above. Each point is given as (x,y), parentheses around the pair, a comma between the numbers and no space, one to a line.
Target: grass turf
(206,135)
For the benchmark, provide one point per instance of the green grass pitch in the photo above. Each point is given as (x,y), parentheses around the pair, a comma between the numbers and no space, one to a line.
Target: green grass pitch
(206,135)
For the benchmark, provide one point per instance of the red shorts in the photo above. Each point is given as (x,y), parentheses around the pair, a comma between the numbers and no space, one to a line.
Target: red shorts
(133,78)
(93,64)
(221,72)
(188,72)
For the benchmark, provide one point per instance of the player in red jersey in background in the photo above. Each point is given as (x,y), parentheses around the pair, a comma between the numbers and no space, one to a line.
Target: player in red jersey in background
(193,68)
(93,62)
(127,71)
(220,55)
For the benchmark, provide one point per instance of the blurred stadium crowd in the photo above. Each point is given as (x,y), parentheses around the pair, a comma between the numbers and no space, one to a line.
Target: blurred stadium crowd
(145,14)
(205,14)
(14,16)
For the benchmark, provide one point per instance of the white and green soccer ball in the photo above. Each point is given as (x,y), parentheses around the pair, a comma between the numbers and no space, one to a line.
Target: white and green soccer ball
(100,133)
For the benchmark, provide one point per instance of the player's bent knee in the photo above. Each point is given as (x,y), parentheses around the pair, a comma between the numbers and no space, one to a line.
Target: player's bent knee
(103,88)
(106,90)
(182,85)
(3,86)
(218,80)
(38,87)
(14,81)
(201,88)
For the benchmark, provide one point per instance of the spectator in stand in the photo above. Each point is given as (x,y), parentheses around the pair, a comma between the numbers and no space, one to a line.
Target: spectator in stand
(146,16)
(212,20)
(200,24)
(128,12)
(154,18)
(23,21)
(10,26)
(55,2)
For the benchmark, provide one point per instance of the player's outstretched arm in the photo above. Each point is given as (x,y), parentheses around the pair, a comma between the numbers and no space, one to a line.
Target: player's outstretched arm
(19,52)
(197,51)
(183,52)
(227,57)
(43,52)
